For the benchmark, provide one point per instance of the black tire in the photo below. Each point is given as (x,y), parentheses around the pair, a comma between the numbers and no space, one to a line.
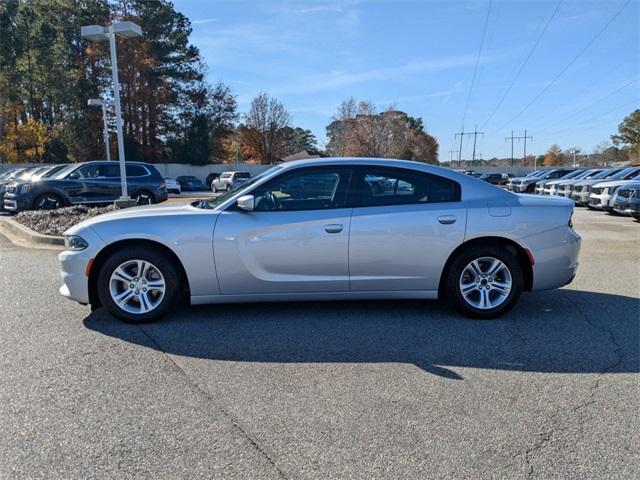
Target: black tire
(48,201)
(454,275)
(143,197)
(164,265)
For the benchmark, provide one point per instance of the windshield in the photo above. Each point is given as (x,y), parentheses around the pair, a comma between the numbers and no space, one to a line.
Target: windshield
(575,173)
(64,172)
(623,173)
(230,193)
(605,174)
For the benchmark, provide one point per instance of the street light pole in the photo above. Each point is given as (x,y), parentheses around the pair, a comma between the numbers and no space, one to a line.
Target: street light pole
(98,102)
(98,33)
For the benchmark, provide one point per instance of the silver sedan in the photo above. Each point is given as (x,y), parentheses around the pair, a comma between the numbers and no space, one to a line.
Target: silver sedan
(327,229)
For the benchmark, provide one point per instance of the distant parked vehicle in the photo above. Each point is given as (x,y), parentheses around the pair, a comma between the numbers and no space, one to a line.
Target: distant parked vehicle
(528,185)
(627,200)
(10,177)
(564,187)
(189,183)
(511,184)
(601,197)
(582,189)
(492,178)
(210,178)
(86,183)
(229,180)
(172,185)
(543,187)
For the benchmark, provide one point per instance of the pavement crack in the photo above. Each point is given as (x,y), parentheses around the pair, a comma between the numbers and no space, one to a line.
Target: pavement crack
(235,424)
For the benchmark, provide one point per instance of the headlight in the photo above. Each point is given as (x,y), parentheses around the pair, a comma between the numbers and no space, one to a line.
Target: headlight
(25,188)
(75,242)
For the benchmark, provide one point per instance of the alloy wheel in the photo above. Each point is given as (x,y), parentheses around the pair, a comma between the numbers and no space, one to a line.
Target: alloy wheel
(485,283)
(137,286)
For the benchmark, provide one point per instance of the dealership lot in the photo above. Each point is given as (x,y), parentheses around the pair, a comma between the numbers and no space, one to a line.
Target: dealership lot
(336,390)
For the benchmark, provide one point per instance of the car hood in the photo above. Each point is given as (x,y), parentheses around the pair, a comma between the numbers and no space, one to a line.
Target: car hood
(614,183)
(147,211)
(590,182)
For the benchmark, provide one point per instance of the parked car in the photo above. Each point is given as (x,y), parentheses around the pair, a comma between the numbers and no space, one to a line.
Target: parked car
(492,178)
(189,183)
(544,187)
(258,243)
(513,181)
(229,180)
(601,195)
(210,178)
(528,185)
(12,177)
(95,182)
(627,200)
(564,187)
(173,186)
(581,190)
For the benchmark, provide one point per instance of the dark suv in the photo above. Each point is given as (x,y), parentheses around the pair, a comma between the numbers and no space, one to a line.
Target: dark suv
(86,183)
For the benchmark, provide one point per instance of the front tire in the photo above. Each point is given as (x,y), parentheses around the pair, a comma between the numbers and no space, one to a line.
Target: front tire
(138,284)
(484,282)
(48,201)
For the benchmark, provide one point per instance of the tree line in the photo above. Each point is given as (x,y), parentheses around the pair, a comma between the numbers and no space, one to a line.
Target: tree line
(170,112)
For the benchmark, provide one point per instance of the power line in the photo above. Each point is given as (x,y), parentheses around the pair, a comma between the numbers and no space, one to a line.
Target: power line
(475,134)
(475,69)
(569,65)
(526,60)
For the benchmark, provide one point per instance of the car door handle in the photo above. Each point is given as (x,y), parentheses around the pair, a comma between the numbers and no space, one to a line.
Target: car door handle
(447,219)
(333,228)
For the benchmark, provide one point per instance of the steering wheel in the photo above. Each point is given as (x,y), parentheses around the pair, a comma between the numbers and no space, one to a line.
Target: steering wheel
(269,201)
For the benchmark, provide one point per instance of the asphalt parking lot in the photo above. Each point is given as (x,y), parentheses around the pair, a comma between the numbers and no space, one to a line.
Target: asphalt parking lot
(396,390)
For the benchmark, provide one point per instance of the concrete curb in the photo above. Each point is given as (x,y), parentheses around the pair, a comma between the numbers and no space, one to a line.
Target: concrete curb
(22,235)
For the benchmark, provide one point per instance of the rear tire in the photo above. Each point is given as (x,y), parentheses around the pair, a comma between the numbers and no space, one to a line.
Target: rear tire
(143,198)
(138,285)
(484,282)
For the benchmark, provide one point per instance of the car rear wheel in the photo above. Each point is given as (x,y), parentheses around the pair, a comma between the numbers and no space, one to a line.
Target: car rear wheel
(48,201)
(484,282)
(138,285)
(143,198)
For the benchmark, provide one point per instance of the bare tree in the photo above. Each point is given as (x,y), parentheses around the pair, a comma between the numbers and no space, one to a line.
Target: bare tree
(263,134)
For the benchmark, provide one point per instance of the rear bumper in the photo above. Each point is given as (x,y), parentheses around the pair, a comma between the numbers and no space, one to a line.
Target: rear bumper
(556,257)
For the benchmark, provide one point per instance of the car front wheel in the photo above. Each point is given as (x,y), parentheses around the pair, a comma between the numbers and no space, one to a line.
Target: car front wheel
(484,282)
(48,201)
(138,284)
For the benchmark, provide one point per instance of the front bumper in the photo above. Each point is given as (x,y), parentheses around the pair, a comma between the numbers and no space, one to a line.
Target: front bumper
(17,202)
(73,267)
(627,208)
(600,201)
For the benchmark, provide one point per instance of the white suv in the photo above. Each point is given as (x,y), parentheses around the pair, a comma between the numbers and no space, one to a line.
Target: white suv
(229,180)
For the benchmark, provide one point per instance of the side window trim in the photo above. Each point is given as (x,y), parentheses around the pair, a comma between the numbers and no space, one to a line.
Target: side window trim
(360,183)
(323,168)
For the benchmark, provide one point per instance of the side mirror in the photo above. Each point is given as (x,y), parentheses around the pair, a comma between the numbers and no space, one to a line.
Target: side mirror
(74,175)
(247,203)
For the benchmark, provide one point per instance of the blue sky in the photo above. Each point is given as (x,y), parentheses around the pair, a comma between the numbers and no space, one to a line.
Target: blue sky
(421,56)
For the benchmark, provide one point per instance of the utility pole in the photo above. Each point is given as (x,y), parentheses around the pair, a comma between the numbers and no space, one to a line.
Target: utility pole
(462,134)
(475,136)
(511,138)
(574,151)
(451,152)
(524,158)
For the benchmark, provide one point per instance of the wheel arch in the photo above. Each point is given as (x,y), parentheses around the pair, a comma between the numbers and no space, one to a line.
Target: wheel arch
(103,255)
(66,200)
(517,250)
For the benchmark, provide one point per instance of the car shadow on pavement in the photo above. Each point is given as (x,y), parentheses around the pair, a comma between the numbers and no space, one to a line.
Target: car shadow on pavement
(561,331)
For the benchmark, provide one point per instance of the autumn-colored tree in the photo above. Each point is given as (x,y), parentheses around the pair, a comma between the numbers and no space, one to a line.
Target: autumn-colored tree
(359,129)
(554,157)
(262,133)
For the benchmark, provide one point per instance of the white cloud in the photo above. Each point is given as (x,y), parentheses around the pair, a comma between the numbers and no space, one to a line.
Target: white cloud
(203,21)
